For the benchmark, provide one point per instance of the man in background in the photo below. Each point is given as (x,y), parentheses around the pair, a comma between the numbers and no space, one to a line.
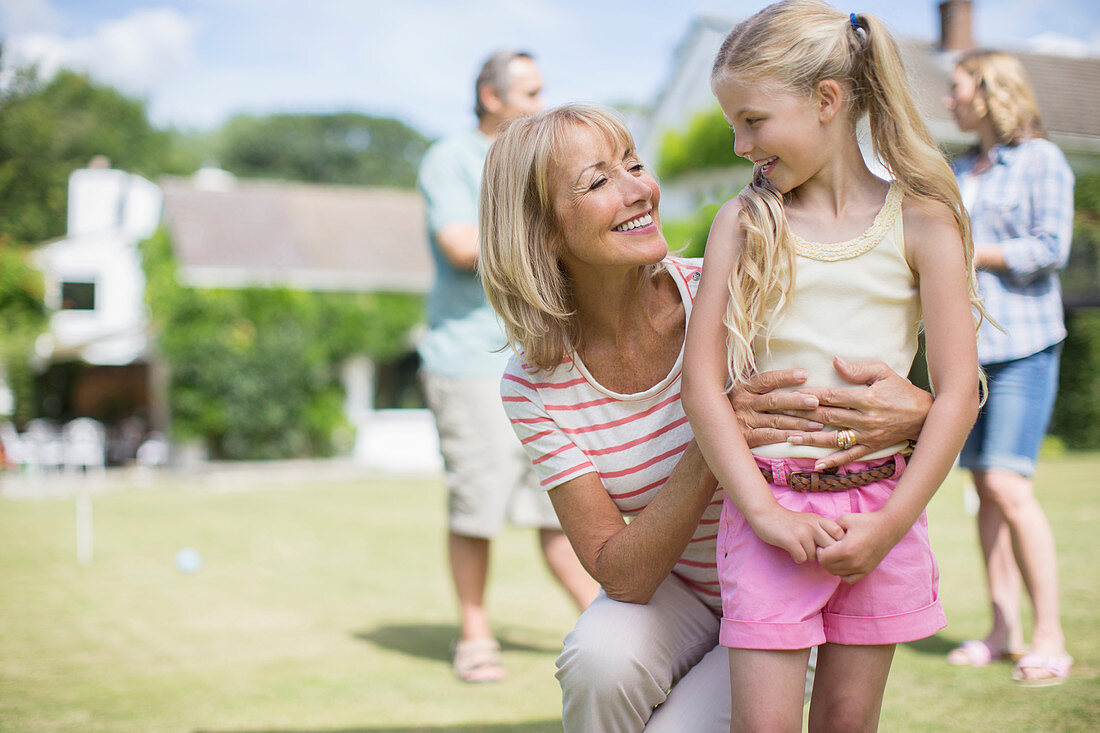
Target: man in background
(489,477)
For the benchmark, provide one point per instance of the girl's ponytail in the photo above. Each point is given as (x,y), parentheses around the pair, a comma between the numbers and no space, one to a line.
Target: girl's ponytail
(900,138)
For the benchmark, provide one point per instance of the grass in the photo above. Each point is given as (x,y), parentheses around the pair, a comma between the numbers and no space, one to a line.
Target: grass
(324,606)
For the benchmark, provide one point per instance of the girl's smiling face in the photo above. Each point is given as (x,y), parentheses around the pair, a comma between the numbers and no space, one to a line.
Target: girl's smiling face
(779,131)
(605,204)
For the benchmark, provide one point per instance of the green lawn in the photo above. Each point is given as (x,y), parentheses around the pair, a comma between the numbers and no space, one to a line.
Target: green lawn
(325,607)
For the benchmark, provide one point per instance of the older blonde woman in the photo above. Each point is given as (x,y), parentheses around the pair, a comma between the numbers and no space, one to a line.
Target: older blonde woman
(574,261)
(1018,188)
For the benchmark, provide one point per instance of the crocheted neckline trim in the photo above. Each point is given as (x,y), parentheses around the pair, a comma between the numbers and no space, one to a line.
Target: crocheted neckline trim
(862,244)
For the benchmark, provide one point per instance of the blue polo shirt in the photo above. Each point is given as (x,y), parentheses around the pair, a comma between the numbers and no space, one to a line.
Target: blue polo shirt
(464,336)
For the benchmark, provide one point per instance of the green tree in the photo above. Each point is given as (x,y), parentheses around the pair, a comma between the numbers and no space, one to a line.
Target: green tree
(253,371)
(347,148)
(707,143)
(50,128)
(22,319)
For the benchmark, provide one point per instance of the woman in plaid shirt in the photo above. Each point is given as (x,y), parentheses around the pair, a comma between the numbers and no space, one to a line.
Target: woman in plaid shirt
(1018,189)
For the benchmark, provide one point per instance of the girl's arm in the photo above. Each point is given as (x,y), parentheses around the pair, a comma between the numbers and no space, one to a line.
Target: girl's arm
(712,417)
(934,250)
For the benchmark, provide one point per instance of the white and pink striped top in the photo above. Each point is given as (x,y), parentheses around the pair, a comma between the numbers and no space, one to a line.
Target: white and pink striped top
(571,425)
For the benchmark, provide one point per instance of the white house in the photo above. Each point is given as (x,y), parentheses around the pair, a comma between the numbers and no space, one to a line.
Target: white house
(94,289)
(93,278)
(235,233)
(225,233)
(1068,91)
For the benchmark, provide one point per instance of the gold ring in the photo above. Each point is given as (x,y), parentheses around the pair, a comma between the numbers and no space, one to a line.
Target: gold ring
(845,439)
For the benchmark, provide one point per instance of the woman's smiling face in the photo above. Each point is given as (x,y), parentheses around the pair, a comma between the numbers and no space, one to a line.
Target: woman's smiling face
(605,204)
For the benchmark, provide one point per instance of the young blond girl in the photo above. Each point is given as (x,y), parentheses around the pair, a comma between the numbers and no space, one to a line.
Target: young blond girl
(818,258)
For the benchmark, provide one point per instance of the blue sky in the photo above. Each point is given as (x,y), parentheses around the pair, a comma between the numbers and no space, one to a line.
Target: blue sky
(198,61)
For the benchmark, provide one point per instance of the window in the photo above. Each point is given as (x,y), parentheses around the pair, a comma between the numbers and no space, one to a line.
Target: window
(78,296)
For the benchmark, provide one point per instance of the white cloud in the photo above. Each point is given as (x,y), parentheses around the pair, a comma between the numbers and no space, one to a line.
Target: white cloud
(1059,44)
(198,61)
(23,15)
(137,53)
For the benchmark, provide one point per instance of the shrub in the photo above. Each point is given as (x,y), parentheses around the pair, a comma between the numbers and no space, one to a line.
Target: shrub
(707,143)
(22,320)
(253,372)
(688,237)
(1077,411)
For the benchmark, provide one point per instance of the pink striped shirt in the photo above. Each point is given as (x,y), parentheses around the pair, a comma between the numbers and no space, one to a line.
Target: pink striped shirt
(571,425)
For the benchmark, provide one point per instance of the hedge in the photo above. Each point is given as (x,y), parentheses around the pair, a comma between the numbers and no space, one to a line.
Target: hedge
(22,320)
(254,371)
(1077,410)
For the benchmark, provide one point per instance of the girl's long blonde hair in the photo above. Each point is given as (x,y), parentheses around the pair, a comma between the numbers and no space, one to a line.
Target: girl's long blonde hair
(794,45)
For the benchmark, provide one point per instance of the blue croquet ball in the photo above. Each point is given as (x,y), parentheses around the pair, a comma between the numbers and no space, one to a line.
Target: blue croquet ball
(188,560)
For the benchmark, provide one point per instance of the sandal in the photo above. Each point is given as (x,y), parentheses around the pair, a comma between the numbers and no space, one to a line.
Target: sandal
(478,660)
(1052,670)
(977,653)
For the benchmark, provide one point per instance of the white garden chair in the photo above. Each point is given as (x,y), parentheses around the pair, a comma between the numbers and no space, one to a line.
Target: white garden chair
(45,440)
(20,453)
(84,445)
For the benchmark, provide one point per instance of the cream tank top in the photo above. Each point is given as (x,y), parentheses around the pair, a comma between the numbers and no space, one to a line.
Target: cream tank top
(858,300)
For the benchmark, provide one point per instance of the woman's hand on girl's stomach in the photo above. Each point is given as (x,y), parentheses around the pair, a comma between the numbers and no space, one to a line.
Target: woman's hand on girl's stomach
(766,415)
(886,410)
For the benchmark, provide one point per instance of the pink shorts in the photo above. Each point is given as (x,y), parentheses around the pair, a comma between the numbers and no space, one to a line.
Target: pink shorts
(771,602)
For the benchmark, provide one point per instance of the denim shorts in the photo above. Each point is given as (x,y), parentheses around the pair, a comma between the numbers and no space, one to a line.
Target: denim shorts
(1014,419)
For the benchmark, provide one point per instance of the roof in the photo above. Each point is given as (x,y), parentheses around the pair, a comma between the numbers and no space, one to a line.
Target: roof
(1066,88)
(299,235)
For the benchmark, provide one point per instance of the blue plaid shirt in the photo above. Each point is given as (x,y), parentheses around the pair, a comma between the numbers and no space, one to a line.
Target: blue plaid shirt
(1024,204)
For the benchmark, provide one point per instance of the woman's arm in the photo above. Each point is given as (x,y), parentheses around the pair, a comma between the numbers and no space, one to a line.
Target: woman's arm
(1044,246)
(630,560)
(934,249)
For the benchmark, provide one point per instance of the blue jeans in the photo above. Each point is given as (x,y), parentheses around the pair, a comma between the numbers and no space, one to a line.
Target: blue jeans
(1014,419)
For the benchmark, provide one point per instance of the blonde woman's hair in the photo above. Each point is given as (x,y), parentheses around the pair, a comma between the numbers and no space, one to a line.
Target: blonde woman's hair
(793,46)
(519,258)
(1007,94)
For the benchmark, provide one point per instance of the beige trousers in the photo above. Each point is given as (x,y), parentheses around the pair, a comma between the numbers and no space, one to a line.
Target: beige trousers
(655,667)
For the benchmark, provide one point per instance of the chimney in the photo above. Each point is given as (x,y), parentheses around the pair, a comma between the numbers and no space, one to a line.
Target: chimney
(955,25)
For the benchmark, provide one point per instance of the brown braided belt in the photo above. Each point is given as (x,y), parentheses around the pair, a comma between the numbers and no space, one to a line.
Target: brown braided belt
(828,481)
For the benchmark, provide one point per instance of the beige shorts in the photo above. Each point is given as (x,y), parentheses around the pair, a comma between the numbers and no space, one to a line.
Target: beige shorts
(488,474)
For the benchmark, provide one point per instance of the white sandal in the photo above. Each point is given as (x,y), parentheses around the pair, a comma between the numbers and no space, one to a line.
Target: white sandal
(478,660)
